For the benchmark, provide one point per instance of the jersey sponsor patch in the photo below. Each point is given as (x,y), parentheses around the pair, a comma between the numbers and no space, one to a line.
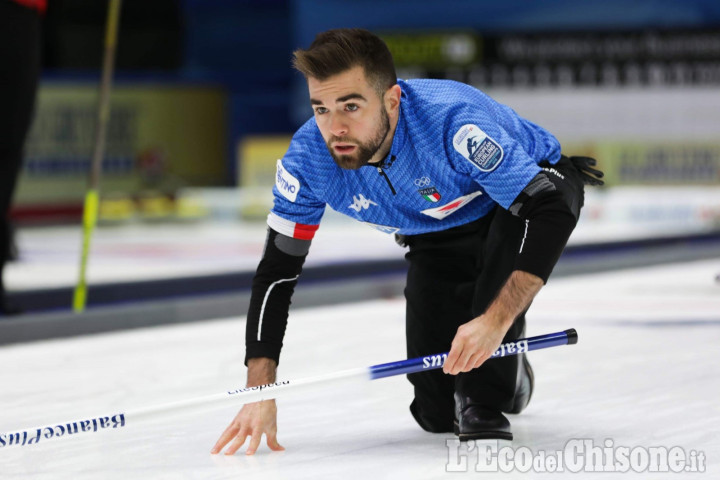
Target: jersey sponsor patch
(477,147)
(453,206)
(382,228)
(286,184)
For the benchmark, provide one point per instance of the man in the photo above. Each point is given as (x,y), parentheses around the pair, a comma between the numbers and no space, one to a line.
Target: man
(457,177)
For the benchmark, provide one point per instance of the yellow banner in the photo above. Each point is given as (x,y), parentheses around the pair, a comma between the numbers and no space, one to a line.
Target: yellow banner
(257,156)
(159,138)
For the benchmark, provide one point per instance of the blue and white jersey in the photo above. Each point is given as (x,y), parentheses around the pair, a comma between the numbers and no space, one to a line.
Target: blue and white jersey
(458,154)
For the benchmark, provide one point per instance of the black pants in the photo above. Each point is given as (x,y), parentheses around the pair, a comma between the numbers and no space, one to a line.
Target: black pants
(453,277)
(19,70)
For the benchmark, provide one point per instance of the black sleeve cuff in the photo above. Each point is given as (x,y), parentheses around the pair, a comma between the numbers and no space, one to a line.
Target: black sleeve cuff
(262,349)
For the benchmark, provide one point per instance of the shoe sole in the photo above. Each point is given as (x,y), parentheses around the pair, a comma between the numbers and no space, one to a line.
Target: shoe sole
(531,376)
(487,435)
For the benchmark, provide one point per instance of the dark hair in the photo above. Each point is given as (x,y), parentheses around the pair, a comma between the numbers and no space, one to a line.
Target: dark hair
(336,51)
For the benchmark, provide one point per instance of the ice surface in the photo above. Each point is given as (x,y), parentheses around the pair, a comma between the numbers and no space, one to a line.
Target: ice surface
(644,373)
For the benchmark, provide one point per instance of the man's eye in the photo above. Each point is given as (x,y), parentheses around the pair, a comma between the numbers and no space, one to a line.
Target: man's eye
(321,110)
(351,107)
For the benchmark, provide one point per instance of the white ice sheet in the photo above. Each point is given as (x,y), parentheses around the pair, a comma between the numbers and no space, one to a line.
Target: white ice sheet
(643,374)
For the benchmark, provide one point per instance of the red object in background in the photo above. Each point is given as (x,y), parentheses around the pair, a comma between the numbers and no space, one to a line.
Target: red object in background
(47,214)
(152,164)
(39,5)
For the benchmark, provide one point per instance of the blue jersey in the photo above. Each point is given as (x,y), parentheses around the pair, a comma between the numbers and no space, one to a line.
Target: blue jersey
(457,154)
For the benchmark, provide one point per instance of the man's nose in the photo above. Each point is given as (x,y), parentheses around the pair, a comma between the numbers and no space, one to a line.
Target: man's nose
(337,126)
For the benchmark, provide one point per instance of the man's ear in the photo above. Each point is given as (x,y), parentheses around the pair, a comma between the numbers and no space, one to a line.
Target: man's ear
(392,98)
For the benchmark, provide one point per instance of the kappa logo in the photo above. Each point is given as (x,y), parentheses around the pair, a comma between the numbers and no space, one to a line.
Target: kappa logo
(360,203)
(448,209)
(475,145)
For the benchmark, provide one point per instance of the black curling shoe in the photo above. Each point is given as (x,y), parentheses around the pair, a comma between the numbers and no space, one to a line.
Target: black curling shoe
(475,422)
(524,387)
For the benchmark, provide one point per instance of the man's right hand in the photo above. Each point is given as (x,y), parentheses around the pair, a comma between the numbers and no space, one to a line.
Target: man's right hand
(254,419)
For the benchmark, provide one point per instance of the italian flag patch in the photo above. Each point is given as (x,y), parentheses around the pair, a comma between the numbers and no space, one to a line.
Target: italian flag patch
(430,194)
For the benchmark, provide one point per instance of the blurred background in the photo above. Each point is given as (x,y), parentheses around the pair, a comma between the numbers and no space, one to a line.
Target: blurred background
(204,101)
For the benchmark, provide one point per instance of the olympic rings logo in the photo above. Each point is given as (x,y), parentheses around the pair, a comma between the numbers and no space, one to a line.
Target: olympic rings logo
(422,182)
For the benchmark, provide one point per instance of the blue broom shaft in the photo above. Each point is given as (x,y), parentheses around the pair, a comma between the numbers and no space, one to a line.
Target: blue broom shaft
(432,362)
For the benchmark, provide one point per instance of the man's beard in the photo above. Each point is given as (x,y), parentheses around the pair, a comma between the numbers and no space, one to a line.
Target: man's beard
(364,151)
